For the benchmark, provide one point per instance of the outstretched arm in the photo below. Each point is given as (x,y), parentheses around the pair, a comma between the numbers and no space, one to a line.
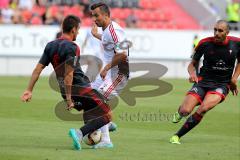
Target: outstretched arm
(68,79)
(27,94)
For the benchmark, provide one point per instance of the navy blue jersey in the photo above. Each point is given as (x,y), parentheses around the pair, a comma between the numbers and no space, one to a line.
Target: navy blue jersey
(58,53)
(218,59)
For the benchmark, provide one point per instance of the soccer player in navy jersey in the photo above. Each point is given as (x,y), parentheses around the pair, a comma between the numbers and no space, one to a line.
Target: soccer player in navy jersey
(217,75)
(64,55)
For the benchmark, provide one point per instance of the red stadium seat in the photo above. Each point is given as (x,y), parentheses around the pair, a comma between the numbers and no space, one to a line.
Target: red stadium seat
(141,14)
(122,23)
(65,10)
(149,4)
(36,20)
(26,15)
(86,22)
(74,10)
(157,15)
(54,10)
(120,13)
(77,11)
(38,10)
(146,4)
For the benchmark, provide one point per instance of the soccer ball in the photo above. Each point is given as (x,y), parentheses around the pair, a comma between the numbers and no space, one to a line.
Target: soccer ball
(93,138)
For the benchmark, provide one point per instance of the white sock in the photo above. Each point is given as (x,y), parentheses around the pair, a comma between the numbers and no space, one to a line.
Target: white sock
(79,134)
(109,124)
(105,134)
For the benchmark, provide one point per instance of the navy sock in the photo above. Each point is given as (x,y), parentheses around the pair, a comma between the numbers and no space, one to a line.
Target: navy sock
(191,122)
(94,124)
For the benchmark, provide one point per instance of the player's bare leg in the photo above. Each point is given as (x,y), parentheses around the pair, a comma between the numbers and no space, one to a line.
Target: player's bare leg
(210,101)
(186,108)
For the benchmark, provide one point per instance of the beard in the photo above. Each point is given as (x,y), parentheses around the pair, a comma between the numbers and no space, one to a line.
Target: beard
(219,39)
(98,24)
(74,38)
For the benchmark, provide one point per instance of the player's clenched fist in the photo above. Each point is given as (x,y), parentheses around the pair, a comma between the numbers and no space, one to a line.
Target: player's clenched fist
(233,87)
(26,96)
(193,78)
(94,30)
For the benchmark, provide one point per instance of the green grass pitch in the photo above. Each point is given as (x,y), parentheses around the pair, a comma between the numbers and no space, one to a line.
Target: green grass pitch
(31,131)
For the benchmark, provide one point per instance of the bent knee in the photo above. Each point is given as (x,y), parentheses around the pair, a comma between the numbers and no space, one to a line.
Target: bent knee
(185,111)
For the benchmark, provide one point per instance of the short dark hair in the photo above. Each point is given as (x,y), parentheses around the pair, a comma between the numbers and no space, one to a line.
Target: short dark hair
(102,6)
(69,23)
(225,22)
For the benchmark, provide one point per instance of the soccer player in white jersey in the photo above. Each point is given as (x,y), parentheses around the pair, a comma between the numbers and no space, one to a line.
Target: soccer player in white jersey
(114,75)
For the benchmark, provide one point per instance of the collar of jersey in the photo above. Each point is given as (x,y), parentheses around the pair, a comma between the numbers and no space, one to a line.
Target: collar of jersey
(107,26)
(63,37)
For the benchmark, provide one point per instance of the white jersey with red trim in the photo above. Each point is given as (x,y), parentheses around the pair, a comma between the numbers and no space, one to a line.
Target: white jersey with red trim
(117,77)
(112,36)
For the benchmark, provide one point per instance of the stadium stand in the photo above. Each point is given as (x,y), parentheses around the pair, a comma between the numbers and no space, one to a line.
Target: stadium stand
(152,14)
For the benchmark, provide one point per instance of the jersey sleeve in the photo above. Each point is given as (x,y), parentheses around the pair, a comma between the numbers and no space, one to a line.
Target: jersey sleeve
(120,38)
(45,59)
(70,53)
(198,51)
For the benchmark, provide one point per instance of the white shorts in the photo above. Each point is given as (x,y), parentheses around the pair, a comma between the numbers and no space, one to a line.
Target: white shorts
(111,86)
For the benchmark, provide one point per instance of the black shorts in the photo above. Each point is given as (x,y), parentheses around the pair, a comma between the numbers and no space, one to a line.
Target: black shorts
(88,99)
(200,90)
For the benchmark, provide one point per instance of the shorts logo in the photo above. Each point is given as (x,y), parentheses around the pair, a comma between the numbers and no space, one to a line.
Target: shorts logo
(219,90)
(194,89)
